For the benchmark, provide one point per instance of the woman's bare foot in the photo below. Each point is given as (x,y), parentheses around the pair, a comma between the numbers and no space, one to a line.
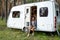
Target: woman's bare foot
(28,35)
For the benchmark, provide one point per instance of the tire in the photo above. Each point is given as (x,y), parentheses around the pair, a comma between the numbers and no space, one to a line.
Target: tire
(25,29)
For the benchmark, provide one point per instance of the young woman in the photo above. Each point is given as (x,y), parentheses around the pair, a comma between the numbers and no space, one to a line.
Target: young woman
(32,27)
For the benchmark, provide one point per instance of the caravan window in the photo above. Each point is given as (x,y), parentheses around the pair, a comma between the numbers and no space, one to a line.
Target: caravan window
(56,13)
(27,10)
(43,12)
(16,14)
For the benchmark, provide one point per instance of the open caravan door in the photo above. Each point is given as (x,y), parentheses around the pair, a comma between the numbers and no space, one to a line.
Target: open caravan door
(30,12)
(27,18)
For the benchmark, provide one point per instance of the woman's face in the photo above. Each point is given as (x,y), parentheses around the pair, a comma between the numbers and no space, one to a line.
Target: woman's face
(32,18)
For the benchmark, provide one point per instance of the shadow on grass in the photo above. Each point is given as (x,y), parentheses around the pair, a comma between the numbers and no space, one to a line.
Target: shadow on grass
(42,33)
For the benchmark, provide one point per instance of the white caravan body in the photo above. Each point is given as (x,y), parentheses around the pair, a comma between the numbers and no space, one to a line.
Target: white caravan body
(45,21)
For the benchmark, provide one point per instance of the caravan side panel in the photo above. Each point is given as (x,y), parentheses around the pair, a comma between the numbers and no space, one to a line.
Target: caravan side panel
(16,22)
(45,22)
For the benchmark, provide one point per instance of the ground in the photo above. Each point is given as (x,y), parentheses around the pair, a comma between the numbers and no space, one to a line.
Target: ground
(15,34)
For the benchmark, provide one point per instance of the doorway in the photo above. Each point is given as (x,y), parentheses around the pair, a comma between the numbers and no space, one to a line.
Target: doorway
(34,14)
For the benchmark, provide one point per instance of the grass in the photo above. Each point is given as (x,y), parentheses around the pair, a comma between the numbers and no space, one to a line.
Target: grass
(2,22)
(14,34)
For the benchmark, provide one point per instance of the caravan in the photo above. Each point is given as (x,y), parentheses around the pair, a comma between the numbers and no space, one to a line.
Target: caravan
(46,14)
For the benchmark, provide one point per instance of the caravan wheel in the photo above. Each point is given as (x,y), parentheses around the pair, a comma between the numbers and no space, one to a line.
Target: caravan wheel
(25,29)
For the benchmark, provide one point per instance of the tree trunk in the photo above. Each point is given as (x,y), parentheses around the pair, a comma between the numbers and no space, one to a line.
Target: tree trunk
(2,14)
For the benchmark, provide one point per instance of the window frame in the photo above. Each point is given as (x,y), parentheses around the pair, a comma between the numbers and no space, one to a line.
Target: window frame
(16,15)
(45,14)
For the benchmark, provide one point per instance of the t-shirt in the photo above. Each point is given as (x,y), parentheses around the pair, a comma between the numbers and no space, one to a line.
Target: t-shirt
(33,23)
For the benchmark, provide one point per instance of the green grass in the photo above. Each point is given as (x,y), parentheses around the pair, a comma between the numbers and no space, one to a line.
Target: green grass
(14,34)
(2,22)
